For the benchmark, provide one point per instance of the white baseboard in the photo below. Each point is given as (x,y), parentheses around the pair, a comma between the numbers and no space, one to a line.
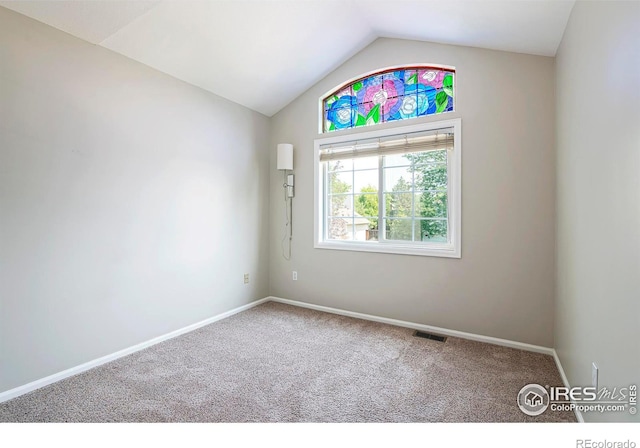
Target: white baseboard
(21,390)
(421,327)
(565,381)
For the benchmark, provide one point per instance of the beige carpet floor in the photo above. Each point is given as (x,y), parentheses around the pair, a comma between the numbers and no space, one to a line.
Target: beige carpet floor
(279,363)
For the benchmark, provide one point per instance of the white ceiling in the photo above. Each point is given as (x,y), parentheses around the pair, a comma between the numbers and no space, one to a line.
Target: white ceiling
(264,53)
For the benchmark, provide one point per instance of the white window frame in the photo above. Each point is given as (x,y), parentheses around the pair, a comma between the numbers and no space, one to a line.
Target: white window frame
(452,249)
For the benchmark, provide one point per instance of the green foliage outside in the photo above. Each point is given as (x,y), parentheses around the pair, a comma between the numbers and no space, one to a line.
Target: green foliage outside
(399,206)
(337,186)
(367,205)
(430,171)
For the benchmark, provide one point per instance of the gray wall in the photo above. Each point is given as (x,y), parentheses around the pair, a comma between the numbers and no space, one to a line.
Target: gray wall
(131,203)
(598,208)
(503,285)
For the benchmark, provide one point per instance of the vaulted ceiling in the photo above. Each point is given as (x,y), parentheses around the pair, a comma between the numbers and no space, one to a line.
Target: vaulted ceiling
(264,53)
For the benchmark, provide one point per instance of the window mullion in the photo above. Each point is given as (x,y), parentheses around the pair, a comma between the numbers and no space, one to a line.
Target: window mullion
(413,205)
(326,201)
(353,203)
(449,196)
(381,224)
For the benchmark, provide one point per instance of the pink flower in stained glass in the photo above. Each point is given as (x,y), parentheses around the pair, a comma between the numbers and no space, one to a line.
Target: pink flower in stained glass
(431,77)
(377,91)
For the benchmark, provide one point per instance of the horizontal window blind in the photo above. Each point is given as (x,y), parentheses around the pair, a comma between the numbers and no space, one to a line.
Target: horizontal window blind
(397,144)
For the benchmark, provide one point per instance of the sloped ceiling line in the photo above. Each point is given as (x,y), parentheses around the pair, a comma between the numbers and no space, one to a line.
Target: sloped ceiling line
(263,54)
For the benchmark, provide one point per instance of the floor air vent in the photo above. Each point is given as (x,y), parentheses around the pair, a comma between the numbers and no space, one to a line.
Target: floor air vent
(433,337)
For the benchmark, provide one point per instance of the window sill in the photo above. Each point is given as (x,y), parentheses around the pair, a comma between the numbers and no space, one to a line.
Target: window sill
(440,250)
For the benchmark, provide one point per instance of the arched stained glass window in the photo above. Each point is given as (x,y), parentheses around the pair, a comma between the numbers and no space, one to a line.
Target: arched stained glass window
(389,95)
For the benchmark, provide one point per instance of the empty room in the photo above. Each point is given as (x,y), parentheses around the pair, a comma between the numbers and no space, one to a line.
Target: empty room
(278,211)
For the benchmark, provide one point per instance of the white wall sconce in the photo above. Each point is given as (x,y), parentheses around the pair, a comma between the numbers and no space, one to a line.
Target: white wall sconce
(285,163)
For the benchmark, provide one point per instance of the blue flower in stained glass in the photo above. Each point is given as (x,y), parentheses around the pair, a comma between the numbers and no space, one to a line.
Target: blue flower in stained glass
(342,113)
(416,101)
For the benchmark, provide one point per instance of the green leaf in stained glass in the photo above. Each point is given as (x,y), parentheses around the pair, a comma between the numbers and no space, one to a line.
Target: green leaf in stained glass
(357,86)
(332,127)
(374,115)
(447,85)
(442,99)
(413,79)
(361,120)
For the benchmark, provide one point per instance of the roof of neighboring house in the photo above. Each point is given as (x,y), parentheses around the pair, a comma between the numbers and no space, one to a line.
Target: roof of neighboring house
(357,219)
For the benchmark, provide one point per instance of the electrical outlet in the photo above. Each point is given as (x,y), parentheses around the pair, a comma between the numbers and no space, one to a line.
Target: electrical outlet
(246,278)
(295,275)
(594,375)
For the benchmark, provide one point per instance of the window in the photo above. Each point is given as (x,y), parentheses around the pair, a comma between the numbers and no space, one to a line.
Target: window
(394,94)
(394,190)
